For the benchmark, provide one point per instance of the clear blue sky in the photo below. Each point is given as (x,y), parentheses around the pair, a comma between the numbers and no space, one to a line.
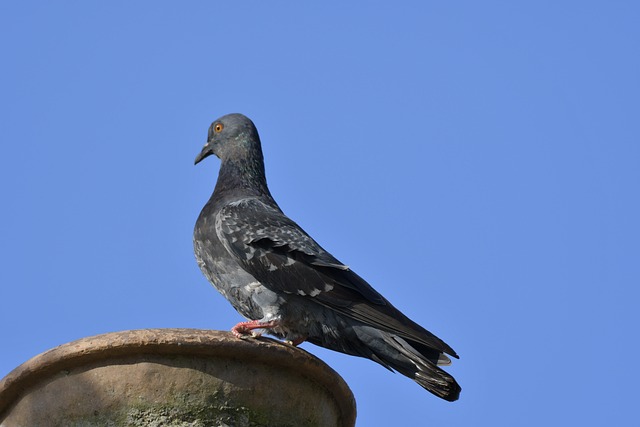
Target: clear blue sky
(477,162)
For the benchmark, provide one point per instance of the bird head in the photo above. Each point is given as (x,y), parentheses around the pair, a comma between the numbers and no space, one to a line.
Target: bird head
(233,135)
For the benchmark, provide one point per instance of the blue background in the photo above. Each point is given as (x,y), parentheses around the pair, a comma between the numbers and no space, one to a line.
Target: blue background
(476,162)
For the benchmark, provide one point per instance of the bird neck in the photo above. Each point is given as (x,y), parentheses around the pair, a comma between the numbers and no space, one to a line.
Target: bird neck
(242,178)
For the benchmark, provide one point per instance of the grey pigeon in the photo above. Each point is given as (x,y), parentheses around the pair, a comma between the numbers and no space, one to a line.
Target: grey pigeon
(286,284)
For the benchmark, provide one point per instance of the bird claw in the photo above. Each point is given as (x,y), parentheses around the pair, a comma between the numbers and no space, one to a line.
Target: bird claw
(246,336)
(244,333)
(295,342)
(245,330)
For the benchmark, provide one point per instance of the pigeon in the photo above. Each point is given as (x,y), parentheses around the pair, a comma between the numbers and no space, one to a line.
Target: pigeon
(286,285)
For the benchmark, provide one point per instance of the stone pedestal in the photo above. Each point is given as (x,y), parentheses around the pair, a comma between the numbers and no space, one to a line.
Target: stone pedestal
(174,377)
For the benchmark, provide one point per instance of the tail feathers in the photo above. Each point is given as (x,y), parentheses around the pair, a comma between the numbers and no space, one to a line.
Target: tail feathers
(443,360)
(421,367)
(413,359)
(438,382)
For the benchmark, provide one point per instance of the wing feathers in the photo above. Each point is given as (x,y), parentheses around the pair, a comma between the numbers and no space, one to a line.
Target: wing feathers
(284,258)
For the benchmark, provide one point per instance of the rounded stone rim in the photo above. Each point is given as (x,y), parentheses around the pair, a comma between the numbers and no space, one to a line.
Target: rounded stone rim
(172,342)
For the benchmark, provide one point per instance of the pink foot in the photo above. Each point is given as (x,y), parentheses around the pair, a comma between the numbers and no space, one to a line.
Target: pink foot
(243,329)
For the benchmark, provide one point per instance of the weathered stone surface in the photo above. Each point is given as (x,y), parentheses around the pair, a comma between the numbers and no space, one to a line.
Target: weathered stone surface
(174,377)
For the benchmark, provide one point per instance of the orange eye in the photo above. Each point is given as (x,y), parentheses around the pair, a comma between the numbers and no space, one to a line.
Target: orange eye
(218,127)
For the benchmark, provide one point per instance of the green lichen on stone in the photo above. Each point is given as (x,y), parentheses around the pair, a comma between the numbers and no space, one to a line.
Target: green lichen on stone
(193,416)
(218,414)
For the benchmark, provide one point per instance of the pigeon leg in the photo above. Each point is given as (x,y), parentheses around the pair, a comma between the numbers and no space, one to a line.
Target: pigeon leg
(243,329)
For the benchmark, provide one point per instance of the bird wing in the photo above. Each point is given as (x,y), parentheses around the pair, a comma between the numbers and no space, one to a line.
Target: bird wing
(284,258)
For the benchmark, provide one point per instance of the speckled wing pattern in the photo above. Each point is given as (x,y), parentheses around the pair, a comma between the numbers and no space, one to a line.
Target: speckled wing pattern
(276,250)
(284,258)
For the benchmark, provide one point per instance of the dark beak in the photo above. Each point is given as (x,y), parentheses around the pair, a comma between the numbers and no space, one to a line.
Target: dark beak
(206,152)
